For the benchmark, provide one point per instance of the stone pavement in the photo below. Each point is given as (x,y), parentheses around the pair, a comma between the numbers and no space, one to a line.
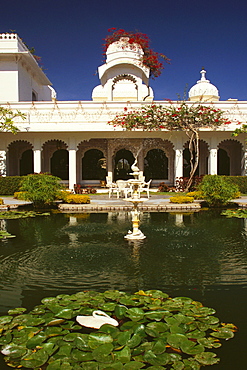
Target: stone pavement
(101,202)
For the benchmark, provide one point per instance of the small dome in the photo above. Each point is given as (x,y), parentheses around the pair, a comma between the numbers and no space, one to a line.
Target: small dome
(203,90)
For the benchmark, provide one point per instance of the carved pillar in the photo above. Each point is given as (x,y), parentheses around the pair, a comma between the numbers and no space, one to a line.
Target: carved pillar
(3,166)
(37,156)
(178,168)
(72,164)
(109,162)
(212,163)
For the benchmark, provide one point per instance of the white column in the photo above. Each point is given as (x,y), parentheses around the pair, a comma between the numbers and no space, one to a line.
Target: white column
(109,163)
(212,163)
(72,168)
(37,160)
(3,167)
(178,167)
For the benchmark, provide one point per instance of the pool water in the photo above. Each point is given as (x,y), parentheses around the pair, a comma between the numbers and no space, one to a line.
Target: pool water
(202,255)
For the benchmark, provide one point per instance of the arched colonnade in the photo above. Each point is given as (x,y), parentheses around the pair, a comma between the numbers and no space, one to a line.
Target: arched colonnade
(90,161)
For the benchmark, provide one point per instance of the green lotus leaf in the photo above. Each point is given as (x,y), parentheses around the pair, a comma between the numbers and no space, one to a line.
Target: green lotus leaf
(156,315)
(55,365)
(155,293)
(153,359)
(133,365)
(191,364)
(55,322)
(120,311)
(63,352)
(128,325)
(16,311)
(196,334)
(101,353)
(109,329)
(123,355)
(114,366)
(5,338)
(139,329)
(207,358)
(210,320)
(52,331)
(190,348)
(177,329)
(109,306)
(123,337)
(135,313)
(38,310)
(81,356)
(5,320)
(223,333)
(90,365)
(71,337)
(175,340)
(50,348)
(36,341)
(203,311)
(159,347)
(35,360)
(178,365)
(97,339)
(82,342)
(49,300)
(65,313)
(209,342)
(155,328)
(134,341)
(127,301)
(27,320)
(13,351)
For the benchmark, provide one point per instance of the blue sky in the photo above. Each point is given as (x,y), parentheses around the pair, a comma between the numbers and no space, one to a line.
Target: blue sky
(68,35)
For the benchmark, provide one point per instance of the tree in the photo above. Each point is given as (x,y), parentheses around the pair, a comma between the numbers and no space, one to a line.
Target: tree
(242,130)
(7,117)
(189,118)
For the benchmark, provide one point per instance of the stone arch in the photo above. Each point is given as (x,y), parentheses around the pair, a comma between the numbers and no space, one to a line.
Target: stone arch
(128,149)
(19,158)
(202,168)
(48,150)
(93,165)
(82,148)
(162,152)
(230,158)
(124,86)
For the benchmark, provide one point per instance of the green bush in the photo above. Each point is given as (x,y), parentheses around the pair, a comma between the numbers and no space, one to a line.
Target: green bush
(41,189)
(10,184)
(77,199)
(180,199)
(240,181)
(217,191)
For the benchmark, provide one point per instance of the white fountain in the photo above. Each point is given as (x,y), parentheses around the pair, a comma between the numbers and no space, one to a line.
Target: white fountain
(135,199)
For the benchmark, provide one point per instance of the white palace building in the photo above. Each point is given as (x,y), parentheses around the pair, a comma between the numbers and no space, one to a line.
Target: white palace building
(73,140)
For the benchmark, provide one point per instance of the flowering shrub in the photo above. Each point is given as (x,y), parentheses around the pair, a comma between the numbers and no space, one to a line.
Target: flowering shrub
(77,199)
(150,58)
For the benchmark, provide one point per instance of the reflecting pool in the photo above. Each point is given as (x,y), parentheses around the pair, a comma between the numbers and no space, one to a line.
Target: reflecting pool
(202,255)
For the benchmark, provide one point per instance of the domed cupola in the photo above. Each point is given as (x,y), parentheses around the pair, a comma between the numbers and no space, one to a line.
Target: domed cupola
(123,77)
(203,90)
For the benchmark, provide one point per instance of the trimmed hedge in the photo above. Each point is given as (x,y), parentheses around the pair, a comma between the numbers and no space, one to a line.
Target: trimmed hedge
(76,199)
(240,181)
(10,184)
(180,199)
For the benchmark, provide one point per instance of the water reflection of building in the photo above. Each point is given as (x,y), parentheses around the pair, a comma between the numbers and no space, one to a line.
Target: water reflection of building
(72,139)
